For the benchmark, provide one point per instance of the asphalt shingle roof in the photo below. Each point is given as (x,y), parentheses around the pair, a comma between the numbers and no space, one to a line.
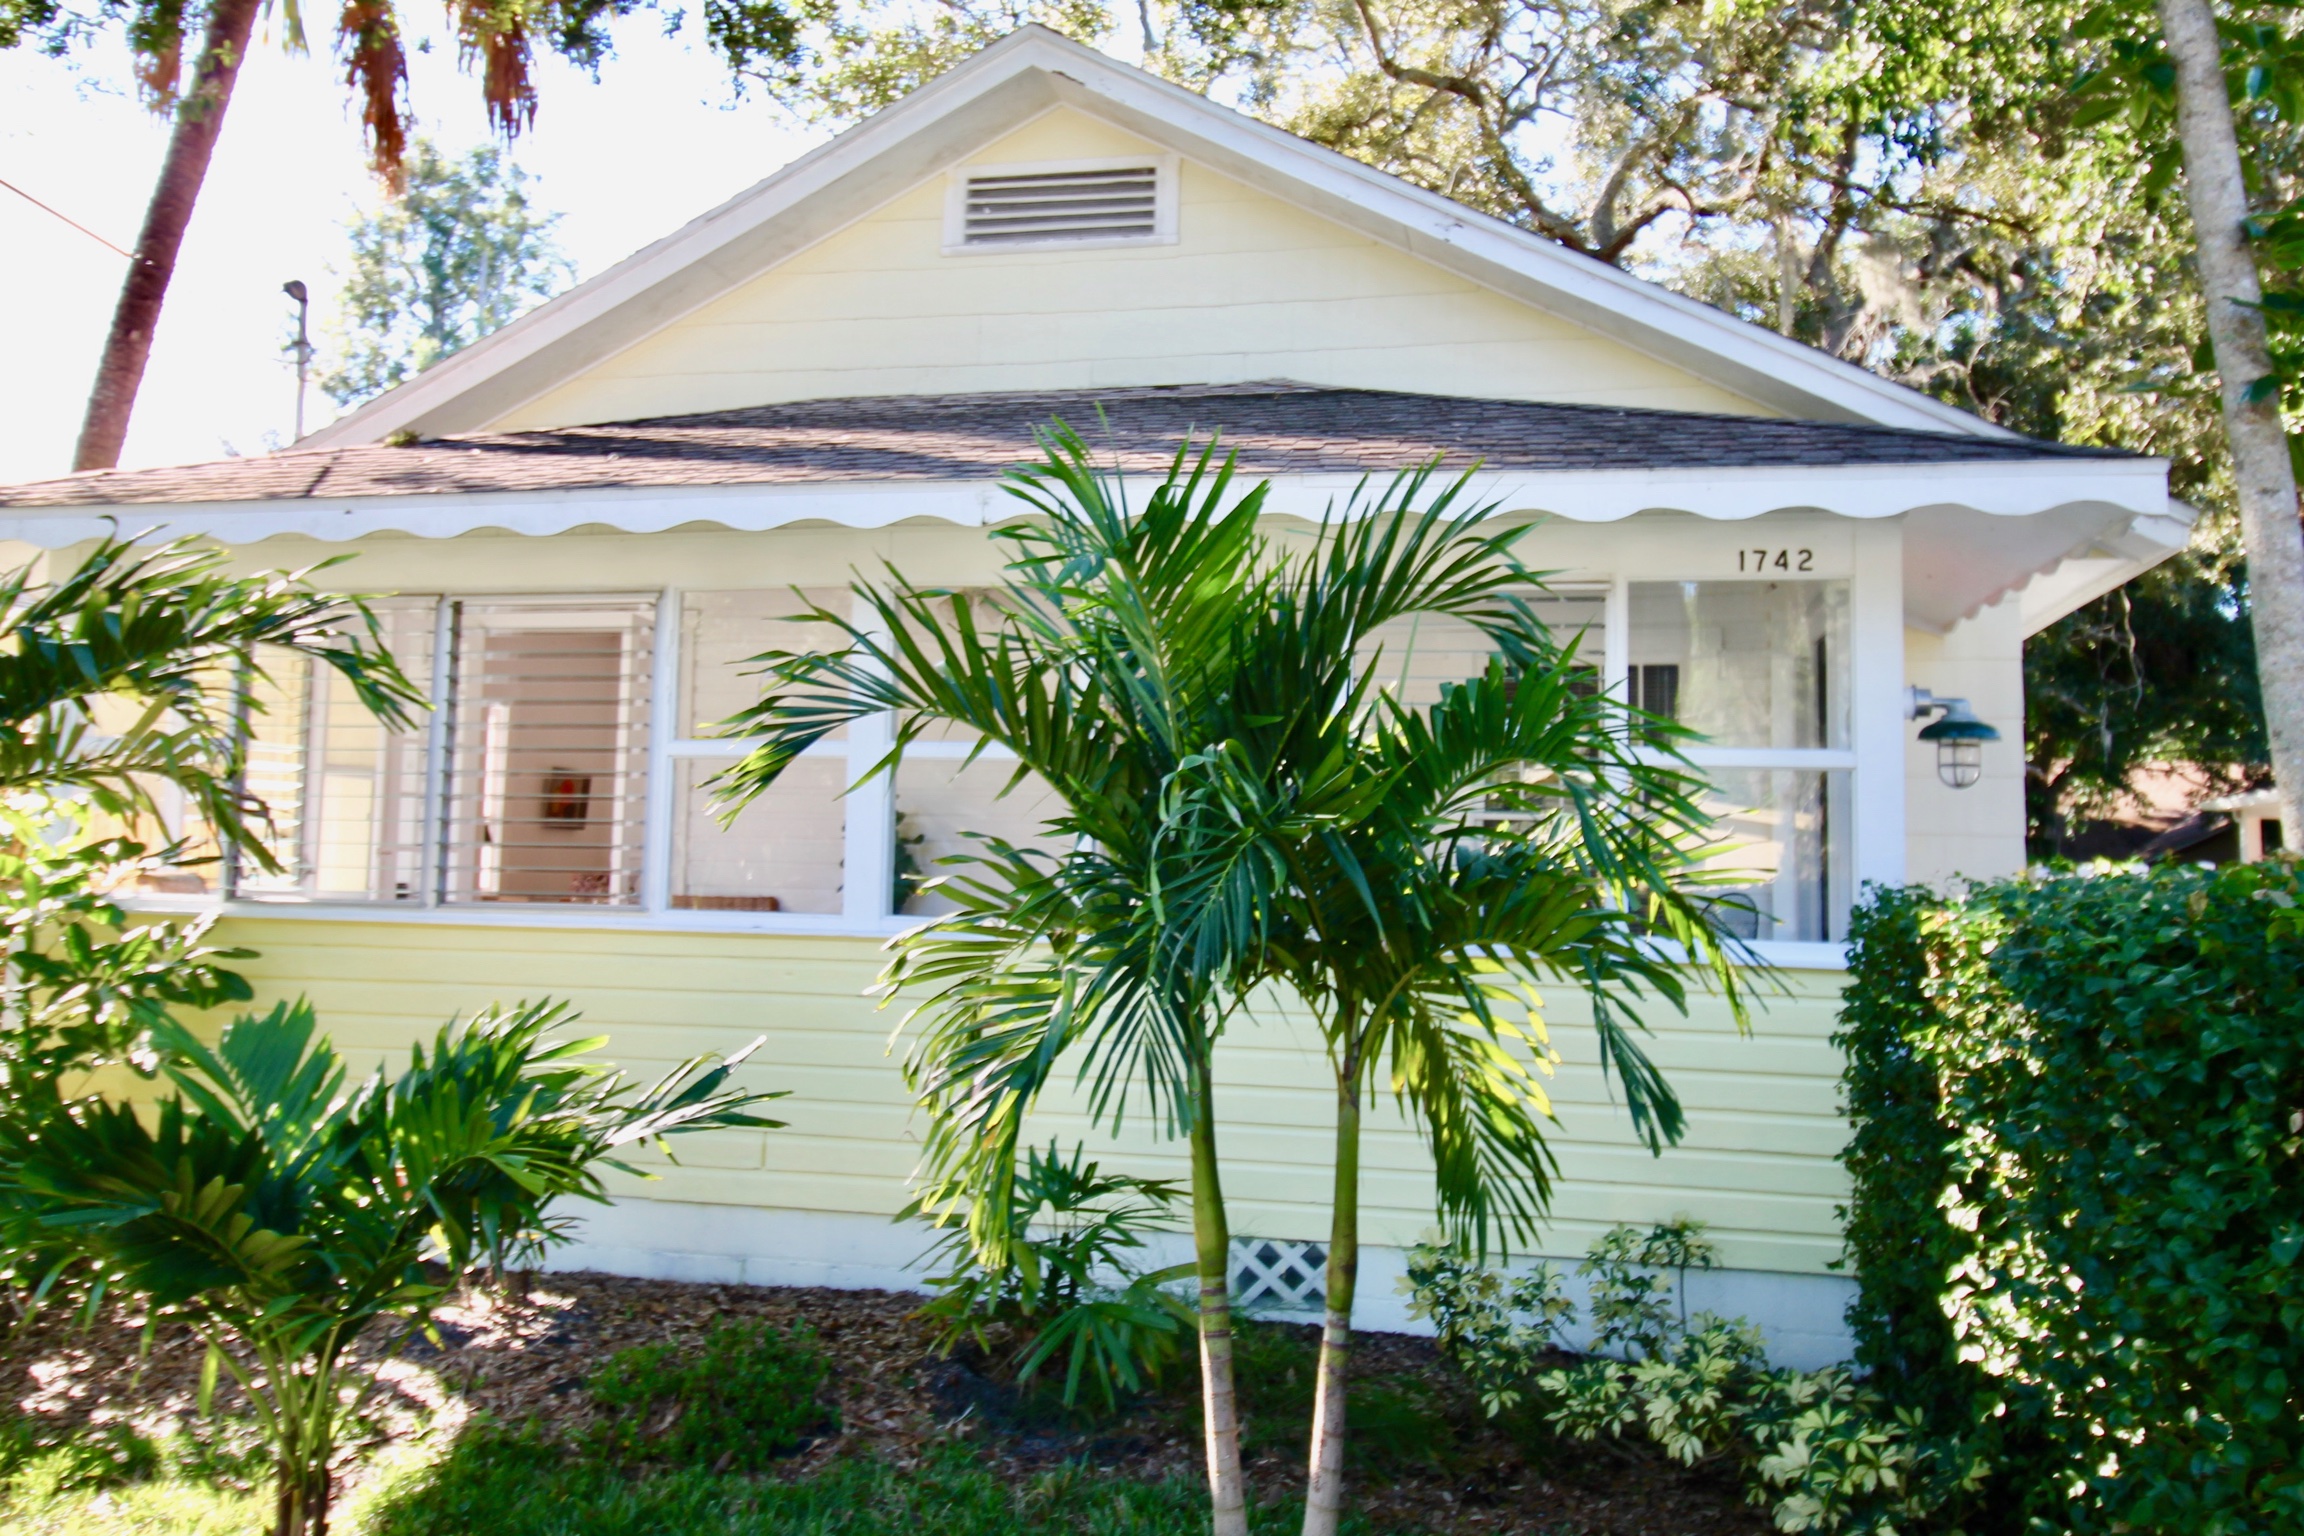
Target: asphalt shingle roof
(1276,428)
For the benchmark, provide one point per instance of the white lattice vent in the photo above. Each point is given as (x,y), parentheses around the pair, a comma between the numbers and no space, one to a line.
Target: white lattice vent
(1270,1275)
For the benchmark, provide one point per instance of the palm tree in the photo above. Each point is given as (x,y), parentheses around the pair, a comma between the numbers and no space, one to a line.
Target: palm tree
(1176,683)
(1531,829)
(1099,661)
(166,639)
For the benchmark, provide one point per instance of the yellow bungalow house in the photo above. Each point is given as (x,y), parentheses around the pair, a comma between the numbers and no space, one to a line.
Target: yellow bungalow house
(591,517)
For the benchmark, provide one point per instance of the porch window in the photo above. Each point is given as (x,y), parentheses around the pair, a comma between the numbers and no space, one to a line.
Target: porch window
(1761,670)
(346,795)
(952,793)
(546,751)
(569,762)
(787,851)
(1415,658)
(947,805)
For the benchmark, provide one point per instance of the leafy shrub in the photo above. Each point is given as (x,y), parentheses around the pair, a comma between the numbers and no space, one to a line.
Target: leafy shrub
(1494,1330)
(2078,1205)
(752,1394)
(1633,1304)
(1067,1285)
(82,990)
(1821,1452)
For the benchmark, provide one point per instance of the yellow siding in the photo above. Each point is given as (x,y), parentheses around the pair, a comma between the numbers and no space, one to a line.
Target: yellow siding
(1254,288)
(1975,833)
(1757,1163)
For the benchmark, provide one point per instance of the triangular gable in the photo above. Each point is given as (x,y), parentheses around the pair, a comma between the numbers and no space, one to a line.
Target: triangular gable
(1243,286)
(1330,271)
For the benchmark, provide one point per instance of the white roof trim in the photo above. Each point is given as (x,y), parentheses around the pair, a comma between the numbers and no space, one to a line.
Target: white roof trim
(2080,579)
(1022,75)
(2136,488)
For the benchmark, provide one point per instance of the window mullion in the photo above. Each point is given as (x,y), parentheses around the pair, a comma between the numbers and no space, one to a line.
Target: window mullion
(1876,683)
(444,704)
(868,854)
(666,714)
(1616,638)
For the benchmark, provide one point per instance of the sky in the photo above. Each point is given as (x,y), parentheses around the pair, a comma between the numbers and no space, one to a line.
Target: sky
(627,160)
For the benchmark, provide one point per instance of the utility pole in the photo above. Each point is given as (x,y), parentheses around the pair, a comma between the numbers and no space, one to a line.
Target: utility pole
(302,346)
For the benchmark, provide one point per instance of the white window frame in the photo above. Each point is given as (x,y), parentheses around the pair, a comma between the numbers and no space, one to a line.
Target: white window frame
(1874,756)
(1873,760)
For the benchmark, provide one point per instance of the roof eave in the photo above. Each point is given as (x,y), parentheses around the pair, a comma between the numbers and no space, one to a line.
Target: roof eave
(2135,488)
(2110,564)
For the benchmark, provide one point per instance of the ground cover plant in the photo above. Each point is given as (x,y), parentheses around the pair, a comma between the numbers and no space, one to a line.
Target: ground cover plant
(1818,1450)
(495,1426)
(750,1396)
(2078,1190)
(1071,1289)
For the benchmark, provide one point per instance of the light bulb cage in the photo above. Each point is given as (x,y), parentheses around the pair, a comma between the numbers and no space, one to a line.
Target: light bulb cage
(1959,736)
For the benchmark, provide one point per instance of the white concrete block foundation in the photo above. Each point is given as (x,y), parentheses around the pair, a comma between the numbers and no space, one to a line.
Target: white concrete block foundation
(1802,1316)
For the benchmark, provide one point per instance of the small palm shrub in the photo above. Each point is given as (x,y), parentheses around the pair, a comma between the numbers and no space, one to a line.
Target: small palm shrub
(751,1395)
(1816,1448)
(283,1214)
(1068,1285)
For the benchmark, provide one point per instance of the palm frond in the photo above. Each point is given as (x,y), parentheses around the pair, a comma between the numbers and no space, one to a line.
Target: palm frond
(166,636)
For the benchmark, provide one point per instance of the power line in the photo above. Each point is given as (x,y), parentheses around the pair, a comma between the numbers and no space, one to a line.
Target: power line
(75,223)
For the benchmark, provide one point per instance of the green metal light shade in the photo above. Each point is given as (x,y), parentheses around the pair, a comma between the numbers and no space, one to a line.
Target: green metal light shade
(1958,724)
(1959,738)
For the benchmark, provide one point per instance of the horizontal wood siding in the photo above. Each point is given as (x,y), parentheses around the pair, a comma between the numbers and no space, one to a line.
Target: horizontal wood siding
(1757,1162)
(1253,288)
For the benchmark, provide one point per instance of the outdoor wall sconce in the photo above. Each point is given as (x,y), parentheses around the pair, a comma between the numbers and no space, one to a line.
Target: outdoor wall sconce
(1958,734)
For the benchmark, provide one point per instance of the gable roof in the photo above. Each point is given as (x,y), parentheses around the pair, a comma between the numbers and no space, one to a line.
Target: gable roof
(1012,81)
(1276,428)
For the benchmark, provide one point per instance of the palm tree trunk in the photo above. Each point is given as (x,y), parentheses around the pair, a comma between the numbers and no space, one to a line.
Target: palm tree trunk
(302,1422)
(1324,1503)
(1219,1402)
(2218,196)
(302,1508)
(199,120)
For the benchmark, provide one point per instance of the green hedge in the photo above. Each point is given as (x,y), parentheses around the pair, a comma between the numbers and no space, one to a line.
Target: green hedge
(2078,1211)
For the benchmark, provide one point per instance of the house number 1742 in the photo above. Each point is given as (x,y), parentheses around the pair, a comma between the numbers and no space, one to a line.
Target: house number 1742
(1775,559)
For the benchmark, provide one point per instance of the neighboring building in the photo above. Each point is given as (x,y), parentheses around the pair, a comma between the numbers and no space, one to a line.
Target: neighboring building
(2175,812)
(601,509)
(2251,820)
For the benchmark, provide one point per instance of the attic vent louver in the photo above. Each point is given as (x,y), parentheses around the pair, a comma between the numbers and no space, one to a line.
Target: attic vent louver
(1102,201)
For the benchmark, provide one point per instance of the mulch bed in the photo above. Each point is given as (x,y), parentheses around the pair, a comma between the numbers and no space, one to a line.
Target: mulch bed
(524,1358)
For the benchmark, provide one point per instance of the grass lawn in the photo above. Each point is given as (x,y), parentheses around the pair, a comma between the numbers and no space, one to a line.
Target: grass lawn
(607,1407)
(505,1484)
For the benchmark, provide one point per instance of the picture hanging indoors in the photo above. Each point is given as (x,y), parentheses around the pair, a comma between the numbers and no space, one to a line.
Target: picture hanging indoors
(567,798)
